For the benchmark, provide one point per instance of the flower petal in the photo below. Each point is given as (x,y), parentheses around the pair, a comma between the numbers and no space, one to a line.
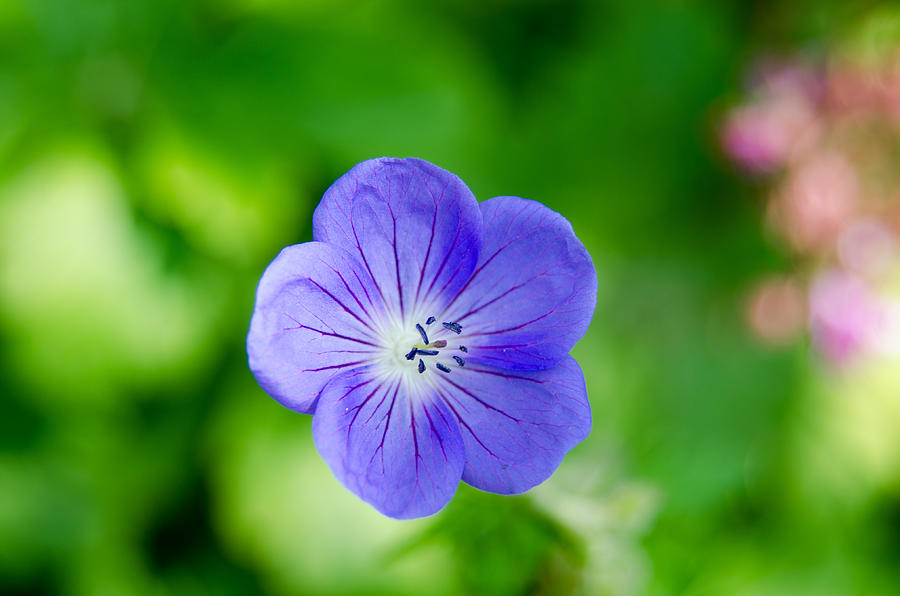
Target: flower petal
(415,227)
(516,425)
(316,313)
(533,293)
(398,451)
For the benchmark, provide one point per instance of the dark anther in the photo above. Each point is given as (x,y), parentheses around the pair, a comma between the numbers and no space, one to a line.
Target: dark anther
(464,348)
(422,352)
(422,333)
(442,367)
(430,321)
(454,327)
(459,361)
(421,366)
(411,354)
(441,343)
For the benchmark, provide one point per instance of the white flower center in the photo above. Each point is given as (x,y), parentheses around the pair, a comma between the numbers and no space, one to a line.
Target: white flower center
(419,350)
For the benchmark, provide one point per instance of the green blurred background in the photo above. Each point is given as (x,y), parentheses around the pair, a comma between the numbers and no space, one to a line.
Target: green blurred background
(155,156)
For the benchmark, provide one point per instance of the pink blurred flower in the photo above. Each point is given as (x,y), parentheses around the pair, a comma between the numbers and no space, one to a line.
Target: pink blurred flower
(867,247)
(832,135)
(850,87)
(776,310)
(758,137)
(844,315)
(817,198)
(762,134)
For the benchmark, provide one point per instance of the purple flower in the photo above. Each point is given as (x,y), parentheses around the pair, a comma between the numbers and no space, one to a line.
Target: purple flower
(429,335)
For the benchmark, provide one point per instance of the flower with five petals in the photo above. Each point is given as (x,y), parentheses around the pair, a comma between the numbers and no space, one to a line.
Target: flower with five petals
(429,336)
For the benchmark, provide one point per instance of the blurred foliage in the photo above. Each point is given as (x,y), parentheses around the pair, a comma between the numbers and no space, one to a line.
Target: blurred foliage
(154,156)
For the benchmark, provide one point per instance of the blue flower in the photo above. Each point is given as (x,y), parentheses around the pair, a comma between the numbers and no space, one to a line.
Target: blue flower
(429,336)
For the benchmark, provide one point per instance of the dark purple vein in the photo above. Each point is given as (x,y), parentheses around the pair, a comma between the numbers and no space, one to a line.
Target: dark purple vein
(319,331)
(481,401)
(500,297)
(333,366)
(343,306)
(525,324)
(469,428)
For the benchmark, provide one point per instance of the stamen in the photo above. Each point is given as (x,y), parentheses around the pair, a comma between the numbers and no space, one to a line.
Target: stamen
(459,360)
(430,320)
(422,333)
(421,366)
(441,343)
(454,327)
(422,352)
(464,348)
(442,367)
(411,354)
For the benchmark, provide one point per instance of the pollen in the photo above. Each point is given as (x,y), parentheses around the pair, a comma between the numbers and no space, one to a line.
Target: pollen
(421,331)
(454,327)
